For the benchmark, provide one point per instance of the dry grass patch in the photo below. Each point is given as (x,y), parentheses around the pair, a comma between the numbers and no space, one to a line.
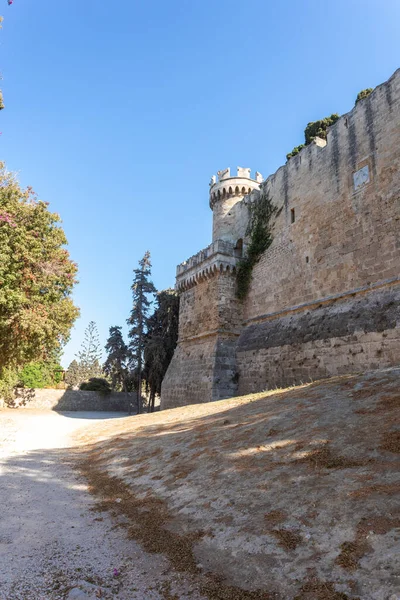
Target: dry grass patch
(320,590)
(287,539)
(323,457)
(385,404)
(214,589)
(391,442)
(275,516)
(351,553)
(389,489)
(182,471)
(379,525)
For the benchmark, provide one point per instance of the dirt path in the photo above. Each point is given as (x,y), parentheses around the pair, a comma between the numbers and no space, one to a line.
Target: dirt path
(52,544)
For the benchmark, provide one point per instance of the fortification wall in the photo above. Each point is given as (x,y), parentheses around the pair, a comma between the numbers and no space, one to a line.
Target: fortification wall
(349,234)
(325,297)
(344,242)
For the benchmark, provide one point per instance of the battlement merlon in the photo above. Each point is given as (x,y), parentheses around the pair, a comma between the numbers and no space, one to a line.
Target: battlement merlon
(218,256)
(228,186)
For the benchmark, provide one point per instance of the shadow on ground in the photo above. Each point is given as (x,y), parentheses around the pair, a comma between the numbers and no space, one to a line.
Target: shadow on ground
(292,492)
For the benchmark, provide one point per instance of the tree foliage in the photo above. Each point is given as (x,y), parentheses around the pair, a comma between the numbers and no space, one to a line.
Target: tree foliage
(41,374)
(90,354)
(363,94)
(97,384)
(73,377)
(36,278)
(142,291)
(116,365)
(319,128)
(160,341)
(314,129)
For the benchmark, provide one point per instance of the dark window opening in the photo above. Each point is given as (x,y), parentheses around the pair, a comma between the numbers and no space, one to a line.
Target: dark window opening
(239,248)
(292,215)
(307,259)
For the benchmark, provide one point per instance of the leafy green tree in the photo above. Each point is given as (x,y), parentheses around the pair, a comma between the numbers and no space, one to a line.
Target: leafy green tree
(97,384)
(40,374)
(116,365)
(160,341)
(36,278)
(142,288)
(90,354)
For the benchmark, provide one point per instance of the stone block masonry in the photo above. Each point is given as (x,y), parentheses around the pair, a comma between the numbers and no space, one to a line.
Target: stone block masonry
(324,299)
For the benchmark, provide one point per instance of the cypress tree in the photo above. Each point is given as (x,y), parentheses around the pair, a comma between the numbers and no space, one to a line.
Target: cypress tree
(142,292)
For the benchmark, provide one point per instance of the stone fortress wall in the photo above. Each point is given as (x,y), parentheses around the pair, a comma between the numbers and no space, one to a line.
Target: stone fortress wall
(325,297)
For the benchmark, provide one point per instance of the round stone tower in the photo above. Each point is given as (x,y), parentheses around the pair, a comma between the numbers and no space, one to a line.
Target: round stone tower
(224,194)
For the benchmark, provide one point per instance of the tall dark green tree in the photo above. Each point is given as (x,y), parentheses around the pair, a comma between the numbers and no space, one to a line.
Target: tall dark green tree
(143,292)
(73,377)
(160,341)
(90,354)
(116,365)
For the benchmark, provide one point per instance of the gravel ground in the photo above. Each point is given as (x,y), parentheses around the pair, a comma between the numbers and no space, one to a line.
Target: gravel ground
(53,545)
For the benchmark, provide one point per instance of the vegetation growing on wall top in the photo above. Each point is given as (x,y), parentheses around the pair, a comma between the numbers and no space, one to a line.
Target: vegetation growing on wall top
(314,129)
(259,231)
(363,94)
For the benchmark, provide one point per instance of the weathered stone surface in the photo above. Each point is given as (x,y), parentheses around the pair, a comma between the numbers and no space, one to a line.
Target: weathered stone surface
(324,297)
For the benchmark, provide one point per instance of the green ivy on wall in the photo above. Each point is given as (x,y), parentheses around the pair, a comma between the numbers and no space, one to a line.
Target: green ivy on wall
(259,231)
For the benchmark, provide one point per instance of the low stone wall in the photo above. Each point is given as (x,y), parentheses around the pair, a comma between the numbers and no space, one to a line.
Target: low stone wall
(65,400)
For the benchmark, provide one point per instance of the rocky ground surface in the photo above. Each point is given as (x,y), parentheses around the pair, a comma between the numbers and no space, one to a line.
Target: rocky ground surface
(286,495)
(53,545)
(292,494)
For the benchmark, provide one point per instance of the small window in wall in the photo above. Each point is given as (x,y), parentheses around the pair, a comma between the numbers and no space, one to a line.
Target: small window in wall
(307,259)
(239,248)
(292,215)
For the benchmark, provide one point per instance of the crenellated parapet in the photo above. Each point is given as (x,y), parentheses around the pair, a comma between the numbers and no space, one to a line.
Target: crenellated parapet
(218,257)
(228,186)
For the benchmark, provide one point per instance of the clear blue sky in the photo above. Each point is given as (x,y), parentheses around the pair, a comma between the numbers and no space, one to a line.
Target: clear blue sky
(118,112)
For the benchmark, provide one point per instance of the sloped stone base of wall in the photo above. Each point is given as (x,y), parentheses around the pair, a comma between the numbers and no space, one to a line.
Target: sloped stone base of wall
(201,370)
(74,400)
(337,338)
